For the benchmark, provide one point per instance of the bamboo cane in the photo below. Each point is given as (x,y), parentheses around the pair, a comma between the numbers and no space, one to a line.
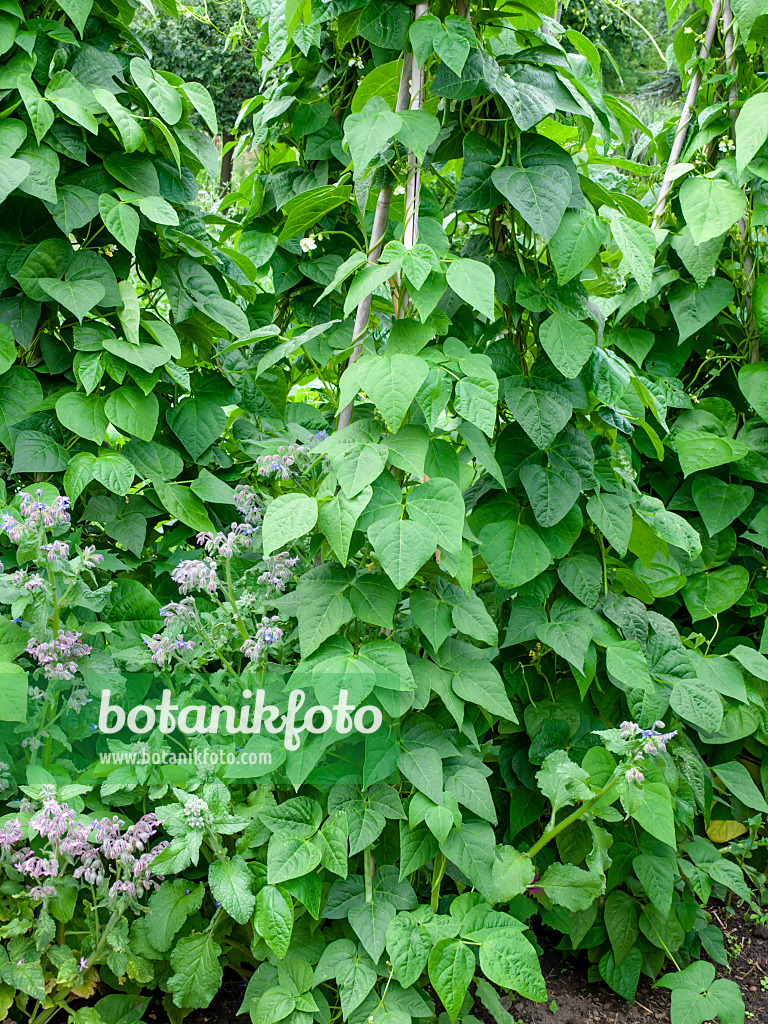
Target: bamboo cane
(380,220)
(685,116)
(747,266)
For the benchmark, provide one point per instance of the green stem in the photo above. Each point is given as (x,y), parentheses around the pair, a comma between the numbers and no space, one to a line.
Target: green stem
(438,870)
(578,813)
(231,589)
(368,874)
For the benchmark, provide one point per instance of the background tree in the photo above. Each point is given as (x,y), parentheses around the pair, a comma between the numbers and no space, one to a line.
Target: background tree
(211,46)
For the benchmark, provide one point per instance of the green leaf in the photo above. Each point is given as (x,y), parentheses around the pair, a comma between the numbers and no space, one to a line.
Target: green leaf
(472,849)
(657,877)
(475,400)
(163,97)
(539,194)
(359,466)
(36,452)
(471,617)
(552,490)
(693,308)
(453,41)
(197,973)
(637,243)
(508,959)
(131,132)
(369,132)
(432,616)
(148,357)
(273,919)
(738,781)
(474,282)
(231,885)
(424,769)
(198,423)
(451,969)
(408,945)
(612,515)
(392,383)
(752,133)
(711,206)
(571,887)
(84,415)
(698,260)
(698,450)
(13,684)
(417,131)
(513,552)
(575,243)
(169,908)
(512,873)
(480,683)
(620,914)
(402,548)
(569,641)
(438,506)
(540,410)
(714,592)
(582,575)
(567,342)
(719,503)
(370,921)
(337,518)
(475,190)
(482,452)
(12,174)
(274,1005)
(287,518)
(753,382)
(76,208)
(201,100)
(182,504)
(120,219)
(655,813)
(290,858)
(74,293)
(78,11)
(622,977)
(308,208)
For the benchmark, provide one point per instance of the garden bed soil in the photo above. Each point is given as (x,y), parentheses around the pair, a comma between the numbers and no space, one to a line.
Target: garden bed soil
(572,999)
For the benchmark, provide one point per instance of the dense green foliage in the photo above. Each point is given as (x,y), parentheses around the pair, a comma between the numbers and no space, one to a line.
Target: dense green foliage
(431,415)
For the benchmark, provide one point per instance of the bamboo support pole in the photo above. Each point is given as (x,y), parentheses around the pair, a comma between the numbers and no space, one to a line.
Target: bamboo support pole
(410,96)
(747,264)
(685,116)
(380,220)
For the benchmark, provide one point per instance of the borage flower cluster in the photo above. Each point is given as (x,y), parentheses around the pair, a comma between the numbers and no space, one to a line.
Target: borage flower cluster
(266,634)
(278,571)
(282,463)
(162,647)
(227,544)
(35,513)
(651,743)
(195,574)
(100,852)
(58,657)
(246,501)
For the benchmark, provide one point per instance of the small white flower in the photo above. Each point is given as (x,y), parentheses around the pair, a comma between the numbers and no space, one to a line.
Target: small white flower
(352,62)
(308,244)
(688,31)
(399,191)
